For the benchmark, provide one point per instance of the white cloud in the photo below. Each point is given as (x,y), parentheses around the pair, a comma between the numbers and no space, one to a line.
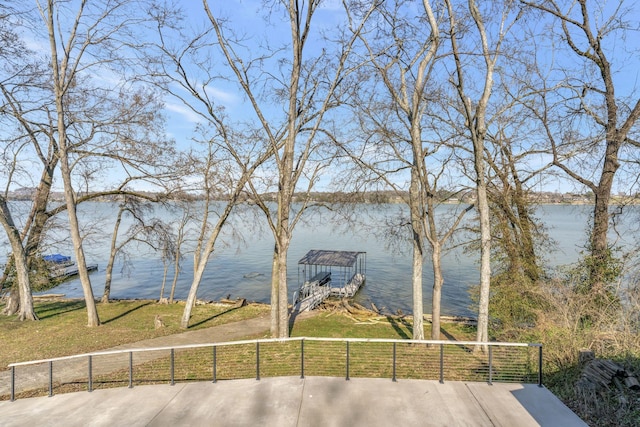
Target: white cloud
(224,97)
(183,111)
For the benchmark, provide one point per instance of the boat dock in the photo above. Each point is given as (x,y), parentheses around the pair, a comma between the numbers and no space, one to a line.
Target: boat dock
(326,273)
(61,266)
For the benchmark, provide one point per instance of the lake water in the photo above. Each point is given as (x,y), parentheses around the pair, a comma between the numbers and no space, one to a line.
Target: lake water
(241,267)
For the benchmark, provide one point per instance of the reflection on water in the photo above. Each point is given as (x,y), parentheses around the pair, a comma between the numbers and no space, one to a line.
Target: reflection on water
(242,267)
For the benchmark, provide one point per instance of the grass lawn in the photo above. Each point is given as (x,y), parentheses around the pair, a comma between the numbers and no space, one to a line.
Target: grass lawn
(62,330)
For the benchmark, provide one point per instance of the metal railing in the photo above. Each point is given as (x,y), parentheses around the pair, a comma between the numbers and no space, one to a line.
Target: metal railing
(348,357)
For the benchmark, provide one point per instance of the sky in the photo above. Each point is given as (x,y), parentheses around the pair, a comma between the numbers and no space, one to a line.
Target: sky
(248,17)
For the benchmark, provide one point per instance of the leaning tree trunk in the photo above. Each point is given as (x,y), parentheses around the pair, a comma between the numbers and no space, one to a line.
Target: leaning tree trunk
(25,310)
(92,312)
(193,292)
(60,85)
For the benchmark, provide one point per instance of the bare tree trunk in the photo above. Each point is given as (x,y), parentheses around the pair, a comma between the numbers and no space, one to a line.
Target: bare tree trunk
(13,302)
(475,124)
(112,256)
(307,98)
(283,306)
(485,259)
(416,210)
(25,311)
(92,312)
(438,281)
(275,294)
(164,279)
(600,250)
(193,292)
(176,273)
(205,253)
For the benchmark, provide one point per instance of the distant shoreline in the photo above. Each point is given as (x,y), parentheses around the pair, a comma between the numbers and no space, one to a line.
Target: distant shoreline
(379,197)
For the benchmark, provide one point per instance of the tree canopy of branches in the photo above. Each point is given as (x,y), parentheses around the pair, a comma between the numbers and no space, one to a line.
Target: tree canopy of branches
(75,112)
(588,115)
(308,86)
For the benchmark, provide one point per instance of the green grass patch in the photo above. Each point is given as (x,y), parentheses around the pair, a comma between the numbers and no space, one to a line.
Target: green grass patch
(62,330)
(335,325)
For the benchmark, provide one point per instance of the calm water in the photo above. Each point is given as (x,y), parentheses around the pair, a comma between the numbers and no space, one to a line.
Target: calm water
(241,266)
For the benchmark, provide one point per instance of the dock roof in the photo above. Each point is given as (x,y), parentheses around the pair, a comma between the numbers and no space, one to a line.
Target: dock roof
(333,258)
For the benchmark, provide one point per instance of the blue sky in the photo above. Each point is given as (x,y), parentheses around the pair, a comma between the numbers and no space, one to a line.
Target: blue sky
(248,17)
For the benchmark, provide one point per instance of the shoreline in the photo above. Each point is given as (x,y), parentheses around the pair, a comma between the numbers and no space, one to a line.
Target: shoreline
(467,320)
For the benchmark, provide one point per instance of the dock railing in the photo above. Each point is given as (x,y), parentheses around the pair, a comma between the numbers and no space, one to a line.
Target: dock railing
(334,357)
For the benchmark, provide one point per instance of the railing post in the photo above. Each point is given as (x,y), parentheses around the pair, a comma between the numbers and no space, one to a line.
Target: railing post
(50,378)
(131,369)
(441,363)
(258,360)
(13,383)
(302,358)
(490,365)
(394,362)
(347,377)
(540,366)
(173,367)
(215,379)
(90,385)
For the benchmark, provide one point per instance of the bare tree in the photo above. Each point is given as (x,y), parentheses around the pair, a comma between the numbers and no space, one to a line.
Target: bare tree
(307,86)
(403,56)
(89,119)
(186,70)
(19,258)
(142,231)
(585,117)
(180,238)
(474,114)
(12,51)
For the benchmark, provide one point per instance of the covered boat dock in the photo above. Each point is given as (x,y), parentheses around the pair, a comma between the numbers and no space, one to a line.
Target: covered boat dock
(325,273)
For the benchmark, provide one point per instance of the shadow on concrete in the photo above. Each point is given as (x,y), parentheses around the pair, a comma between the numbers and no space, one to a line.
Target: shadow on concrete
(542,405)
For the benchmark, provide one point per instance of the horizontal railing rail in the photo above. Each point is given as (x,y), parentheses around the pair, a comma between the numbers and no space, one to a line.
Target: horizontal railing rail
(349,357)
